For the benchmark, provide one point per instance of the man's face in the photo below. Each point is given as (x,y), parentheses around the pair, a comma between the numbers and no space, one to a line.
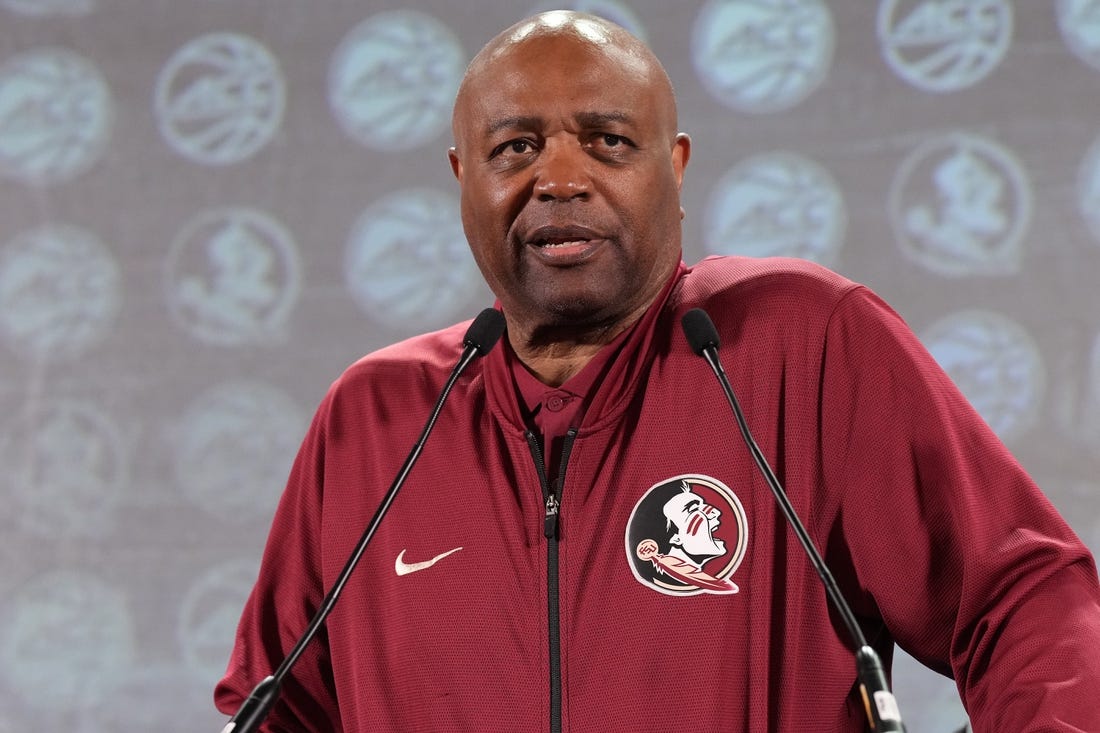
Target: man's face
(570,169)
(695,522)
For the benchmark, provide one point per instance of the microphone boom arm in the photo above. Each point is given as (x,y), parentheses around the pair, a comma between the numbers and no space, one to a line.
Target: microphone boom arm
(878,701)
(480,338)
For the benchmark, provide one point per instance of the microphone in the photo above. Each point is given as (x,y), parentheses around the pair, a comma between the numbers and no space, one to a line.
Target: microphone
(878,702)
(480,338)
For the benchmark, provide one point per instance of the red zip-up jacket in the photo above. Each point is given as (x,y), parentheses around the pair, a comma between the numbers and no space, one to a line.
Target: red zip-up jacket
(659,586)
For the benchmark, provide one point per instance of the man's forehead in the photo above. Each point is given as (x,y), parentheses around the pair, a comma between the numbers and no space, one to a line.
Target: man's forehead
(558,72)
(561,37)
(587,119)
(539,54)
(586,66)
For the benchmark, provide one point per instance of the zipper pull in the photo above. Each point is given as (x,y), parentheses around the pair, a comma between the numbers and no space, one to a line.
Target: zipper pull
(550,521)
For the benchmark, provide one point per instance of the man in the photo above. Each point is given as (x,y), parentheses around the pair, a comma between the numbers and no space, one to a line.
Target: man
(525,596)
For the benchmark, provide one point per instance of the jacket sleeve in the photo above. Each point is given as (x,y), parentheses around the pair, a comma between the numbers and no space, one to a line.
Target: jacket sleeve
(286,595)
(947,539)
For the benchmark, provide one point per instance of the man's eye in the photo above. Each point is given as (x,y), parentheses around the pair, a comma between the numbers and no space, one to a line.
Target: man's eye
(609,142)
(513,147)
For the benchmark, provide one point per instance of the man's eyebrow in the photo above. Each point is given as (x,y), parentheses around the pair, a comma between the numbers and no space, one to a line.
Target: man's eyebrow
(519,122)
(599,119)
(587,120)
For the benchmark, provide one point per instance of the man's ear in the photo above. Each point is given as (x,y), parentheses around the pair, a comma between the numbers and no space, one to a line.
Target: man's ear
(456,164)
(681,153)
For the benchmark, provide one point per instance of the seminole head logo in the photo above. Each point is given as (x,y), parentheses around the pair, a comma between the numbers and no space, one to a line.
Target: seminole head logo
(687,535)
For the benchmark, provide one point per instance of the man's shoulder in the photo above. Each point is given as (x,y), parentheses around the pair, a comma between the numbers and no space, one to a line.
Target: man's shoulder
(414,359)
(782,281)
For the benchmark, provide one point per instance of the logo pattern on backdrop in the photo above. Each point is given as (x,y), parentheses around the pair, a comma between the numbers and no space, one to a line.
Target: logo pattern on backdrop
(233,277)
(944,46)
(67,640)
(1079,21)
(1076,401)
(46,8)
(209,614)
(777,204)
(762,57)
(234,446)
(995,363)
(60,292)
(238,159)
(66,467)
(220,98)
(407,258)
(961,205)
(393,79)
(56,115)
(1088,189)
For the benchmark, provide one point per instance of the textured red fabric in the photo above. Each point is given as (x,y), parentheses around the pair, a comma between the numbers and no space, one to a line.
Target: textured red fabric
(934,533)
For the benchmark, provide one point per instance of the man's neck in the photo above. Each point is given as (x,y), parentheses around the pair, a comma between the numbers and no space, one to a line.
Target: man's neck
(555,355)
(554,352)
(554,365)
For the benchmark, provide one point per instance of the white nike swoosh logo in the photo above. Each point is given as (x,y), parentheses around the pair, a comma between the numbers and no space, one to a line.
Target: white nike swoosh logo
(404,568)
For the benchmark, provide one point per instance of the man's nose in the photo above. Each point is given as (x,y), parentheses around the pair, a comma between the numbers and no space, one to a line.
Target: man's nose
(562,173)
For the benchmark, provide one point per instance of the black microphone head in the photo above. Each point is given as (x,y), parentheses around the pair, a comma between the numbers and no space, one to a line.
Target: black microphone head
(699,330)
(485,331)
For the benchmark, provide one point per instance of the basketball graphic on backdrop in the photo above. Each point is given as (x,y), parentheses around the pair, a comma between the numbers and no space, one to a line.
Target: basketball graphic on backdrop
(995,363)
(393,78)
(220,99)
(56,115)
(67,469)
(1079,22)
(60,293)
(407,259)
(68,633)
(762,57)
(944,46)
(776,204)
(233,447)
(47,8)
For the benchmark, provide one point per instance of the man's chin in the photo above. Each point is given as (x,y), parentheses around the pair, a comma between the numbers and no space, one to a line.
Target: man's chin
(603,303)
(580,313)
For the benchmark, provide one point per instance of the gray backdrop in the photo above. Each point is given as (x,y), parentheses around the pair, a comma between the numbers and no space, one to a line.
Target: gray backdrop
(209,207)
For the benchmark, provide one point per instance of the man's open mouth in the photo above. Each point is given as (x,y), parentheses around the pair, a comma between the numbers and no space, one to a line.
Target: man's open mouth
(559,242)
(561,236)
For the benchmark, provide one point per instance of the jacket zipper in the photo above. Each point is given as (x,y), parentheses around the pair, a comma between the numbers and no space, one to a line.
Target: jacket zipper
(552,498)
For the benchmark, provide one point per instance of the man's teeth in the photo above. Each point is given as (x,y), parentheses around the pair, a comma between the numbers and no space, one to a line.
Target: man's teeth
(566,243)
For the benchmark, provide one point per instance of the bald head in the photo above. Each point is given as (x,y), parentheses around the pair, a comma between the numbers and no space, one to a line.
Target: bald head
(555,37)
(570,166)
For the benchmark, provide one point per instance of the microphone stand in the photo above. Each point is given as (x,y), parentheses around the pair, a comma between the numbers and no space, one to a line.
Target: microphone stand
(878,701)
(482,335)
